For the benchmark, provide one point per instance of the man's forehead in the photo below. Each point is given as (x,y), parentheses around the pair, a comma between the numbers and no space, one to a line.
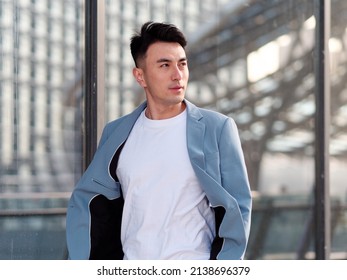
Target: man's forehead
(166,50)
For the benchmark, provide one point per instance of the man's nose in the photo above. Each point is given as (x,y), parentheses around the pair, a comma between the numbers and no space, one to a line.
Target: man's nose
(177,74)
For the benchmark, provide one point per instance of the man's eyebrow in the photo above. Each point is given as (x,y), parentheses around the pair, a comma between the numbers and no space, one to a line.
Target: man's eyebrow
(161,60)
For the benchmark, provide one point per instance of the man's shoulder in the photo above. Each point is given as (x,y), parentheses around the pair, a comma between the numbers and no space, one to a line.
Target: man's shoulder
(208,114)
(129,117)
(112,125)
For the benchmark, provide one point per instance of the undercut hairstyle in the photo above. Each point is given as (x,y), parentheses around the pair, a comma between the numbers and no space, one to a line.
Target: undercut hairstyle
(152,32)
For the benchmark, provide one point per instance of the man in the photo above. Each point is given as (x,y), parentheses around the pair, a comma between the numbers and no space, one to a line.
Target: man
(168,181)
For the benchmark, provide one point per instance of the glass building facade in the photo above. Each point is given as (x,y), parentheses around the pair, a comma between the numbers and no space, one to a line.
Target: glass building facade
(253,60)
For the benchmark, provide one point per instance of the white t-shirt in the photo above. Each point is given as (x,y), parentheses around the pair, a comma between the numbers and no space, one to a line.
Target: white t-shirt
(166,214)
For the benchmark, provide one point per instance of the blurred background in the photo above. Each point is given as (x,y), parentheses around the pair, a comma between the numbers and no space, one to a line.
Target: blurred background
(251,60)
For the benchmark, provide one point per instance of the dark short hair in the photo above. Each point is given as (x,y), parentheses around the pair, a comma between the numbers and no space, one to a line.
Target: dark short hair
(152,32)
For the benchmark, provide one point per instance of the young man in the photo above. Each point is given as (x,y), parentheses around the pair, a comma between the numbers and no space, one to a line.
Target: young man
(168,181)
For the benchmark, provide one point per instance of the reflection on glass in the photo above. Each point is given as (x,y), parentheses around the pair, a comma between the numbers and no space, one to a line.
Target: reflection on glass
(40,95)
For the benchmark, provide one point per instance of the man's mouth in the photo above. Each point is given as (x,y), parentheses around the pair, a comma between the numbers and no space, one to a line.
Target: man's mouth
(178,87)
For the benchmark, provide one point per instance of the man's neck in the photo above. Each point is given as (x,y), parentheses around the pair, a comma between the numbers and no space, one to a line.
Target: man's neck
(156,113)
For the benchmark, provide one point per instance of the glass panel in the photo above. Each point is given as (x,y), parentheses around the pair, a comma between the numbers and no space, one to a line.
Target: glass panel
(253,61)
(338,147)
(41,47)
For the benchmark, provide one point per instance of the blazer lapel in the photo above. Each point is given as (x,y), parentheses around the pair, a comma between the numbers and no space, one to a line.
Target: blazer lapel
(195,135)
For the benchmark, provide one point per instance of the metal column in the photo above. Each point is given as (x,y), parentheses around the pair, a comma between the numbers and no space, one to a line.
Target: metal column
(322,124)
(93,120)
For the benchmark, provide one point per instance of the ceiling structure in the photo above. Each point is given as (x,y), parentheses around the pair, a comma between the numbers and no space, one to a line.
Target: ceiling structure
(255,63)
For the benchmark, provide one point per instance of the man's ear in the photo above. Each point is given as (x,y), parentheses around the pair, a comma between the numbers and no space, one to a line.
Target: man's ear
(138,74)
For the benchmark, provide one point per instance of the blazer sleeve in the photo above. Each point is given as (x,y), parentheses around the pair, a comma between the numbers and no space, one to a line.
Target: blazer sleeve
(234,177)
(78,217)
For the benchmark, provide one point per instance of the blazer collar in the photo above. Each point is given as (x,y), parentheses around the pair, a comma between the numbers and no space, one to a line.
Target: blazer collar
(193,111)
(121,133)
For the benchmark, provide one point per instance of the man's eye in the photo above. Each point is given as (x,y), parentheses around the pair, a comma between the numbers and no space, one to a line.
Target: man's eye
(164,65)
(183,64)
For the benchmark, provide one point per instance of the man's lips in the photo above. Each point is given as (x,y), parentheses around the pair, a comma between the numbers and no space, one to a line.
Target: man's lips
(176,87)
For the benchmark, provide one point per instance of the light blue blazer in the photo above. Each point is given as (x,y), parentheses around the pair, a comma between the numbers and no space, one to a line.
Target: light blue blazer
(216,156)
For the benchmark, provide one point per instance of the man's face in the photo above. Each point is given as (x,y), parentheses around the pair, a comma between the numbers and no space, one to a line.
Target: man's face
(164,74)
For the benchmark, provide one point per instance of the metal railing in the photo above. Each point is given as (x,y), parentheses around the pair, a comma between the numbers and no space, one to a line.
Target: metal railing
(282,227)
